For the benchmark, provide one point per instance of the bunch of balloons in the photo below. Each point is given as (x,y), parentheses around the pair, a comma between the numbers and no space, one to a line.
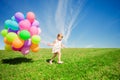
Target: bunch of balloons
(21,33)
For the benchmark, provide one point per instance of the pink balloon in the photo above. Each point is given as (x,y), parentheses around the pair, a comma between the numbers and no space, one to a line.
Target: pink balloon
(39,31)
(24,24)
(36,23)
(31,16)
(33,30)
(25,50)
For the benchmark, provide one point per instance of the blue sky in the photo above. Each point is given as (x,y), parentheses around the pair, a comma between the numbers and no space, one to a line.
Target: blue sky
(84,23)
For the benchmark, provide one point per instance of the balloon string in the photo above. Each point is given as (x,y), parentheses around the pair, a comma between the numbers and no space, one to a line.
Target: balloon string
(44,42)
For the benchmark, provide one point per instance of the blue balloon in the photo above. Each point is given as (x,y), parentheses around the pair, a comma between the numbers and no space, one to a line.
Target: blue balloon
(7,23)
(13,18)
(14,25)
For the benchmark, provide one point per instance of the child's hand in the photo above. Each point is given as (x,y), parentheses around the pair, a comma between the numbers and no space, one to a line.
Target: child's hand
(48,44)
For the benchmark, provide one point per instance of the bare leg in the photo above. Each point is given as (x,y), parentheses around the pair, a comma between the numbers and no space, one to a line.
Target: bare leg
(55,54)
(59,56)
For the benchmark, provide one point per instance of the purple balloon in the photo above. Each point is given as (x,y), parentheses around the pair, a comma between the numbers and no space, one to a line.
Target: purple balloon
(10,30)
(25,50)
(27,43)
(36,23)
(19,16)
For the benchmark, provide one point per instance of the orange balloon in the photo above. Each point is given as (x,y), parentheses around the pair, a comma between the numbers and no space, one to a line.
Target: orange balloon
(34,46)
(17,43)
(35,49)
(7,42)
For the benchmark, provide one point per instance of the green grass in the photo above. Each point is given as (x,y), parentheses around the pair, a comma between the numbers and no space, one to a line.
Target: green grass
(79,64)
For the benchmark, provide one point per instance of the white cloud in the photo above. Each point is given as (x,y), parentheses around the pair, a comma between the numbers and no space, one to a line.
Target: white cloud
(66,16)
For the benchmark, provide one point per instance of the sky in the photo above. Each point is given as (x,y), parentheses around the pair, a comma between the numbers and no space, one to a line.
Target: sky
(84,23)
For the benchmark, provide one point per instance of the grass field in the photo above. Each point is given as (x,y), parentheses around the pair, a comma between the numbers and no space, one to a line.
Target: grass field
(79,64)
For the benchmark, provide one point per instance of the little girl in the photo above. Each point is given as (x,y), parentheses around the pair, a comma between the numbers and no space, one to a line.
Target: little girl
(56,50)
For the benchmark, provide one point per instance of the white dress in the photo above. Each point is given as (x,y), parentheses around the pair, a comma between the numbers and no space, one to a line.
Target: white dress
(57,46)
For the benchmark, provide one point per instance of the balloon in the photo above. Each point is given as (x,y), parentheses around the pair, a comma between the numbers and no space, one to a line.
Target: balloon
(34,46)
(17,43)
(21,33)
(39,31)
(10,30)
(36,23)
(24,25)
(25,50)
(8,47)
(19,16)
(27,43)
(30,16)
(24,34)
(4,32)
(16,49)
(36,39)
(33,30)
(35,49)
(7,23)
(13,18)
(11,36)
(14,25)
(7,42)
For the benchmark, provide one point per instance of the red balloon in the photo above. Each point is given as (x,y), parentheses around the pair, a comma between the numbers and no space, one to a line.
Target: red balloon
(31,16)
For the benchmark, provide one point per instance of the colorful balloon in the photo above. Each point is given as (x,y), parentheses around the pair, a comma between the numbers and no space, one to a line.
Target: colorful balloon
(10,30)
(7,42)
(16,49)
(7,24)
(36,23)
(27,43)
(19,16)
(25,50)
(24,25)
(4,32)
(13,18)
(35,49)
(21,33)
(17,43)
(14,25)
(11,36)
(31,16)
(33,30)
(36,39)
(24,34)
(33,46)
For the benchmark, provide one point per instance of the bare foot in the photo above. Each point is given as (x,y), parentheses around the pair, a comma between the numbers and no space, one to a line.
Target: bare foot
(50,62)
(60,62)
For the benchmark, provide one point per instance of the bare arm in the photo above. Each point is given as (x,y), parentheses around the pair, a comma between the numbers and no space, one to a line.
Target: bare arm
(51,44)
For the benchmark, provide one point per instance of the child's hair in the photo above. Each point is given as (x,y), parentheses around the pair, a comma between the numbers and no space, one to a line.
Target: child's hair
(60,35)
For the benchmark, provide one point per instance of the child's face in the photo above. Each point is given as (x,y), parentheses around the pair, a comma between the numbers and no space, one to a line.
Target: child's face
(60,38)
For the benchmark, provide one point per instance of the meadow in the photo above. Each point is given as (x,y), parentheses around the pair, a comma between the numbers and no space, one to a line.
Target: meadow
(79,64)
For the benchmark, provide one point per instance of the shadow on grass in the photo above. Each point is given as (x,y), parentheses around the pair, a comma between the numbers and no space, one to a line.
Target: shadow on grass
(47,60)
(18,60)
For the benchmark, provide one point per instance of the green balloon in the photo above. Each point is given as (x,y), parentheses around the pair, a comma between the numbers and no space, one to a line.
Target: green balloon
(4,32)
(11,36)
(24,34)
(36,39)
